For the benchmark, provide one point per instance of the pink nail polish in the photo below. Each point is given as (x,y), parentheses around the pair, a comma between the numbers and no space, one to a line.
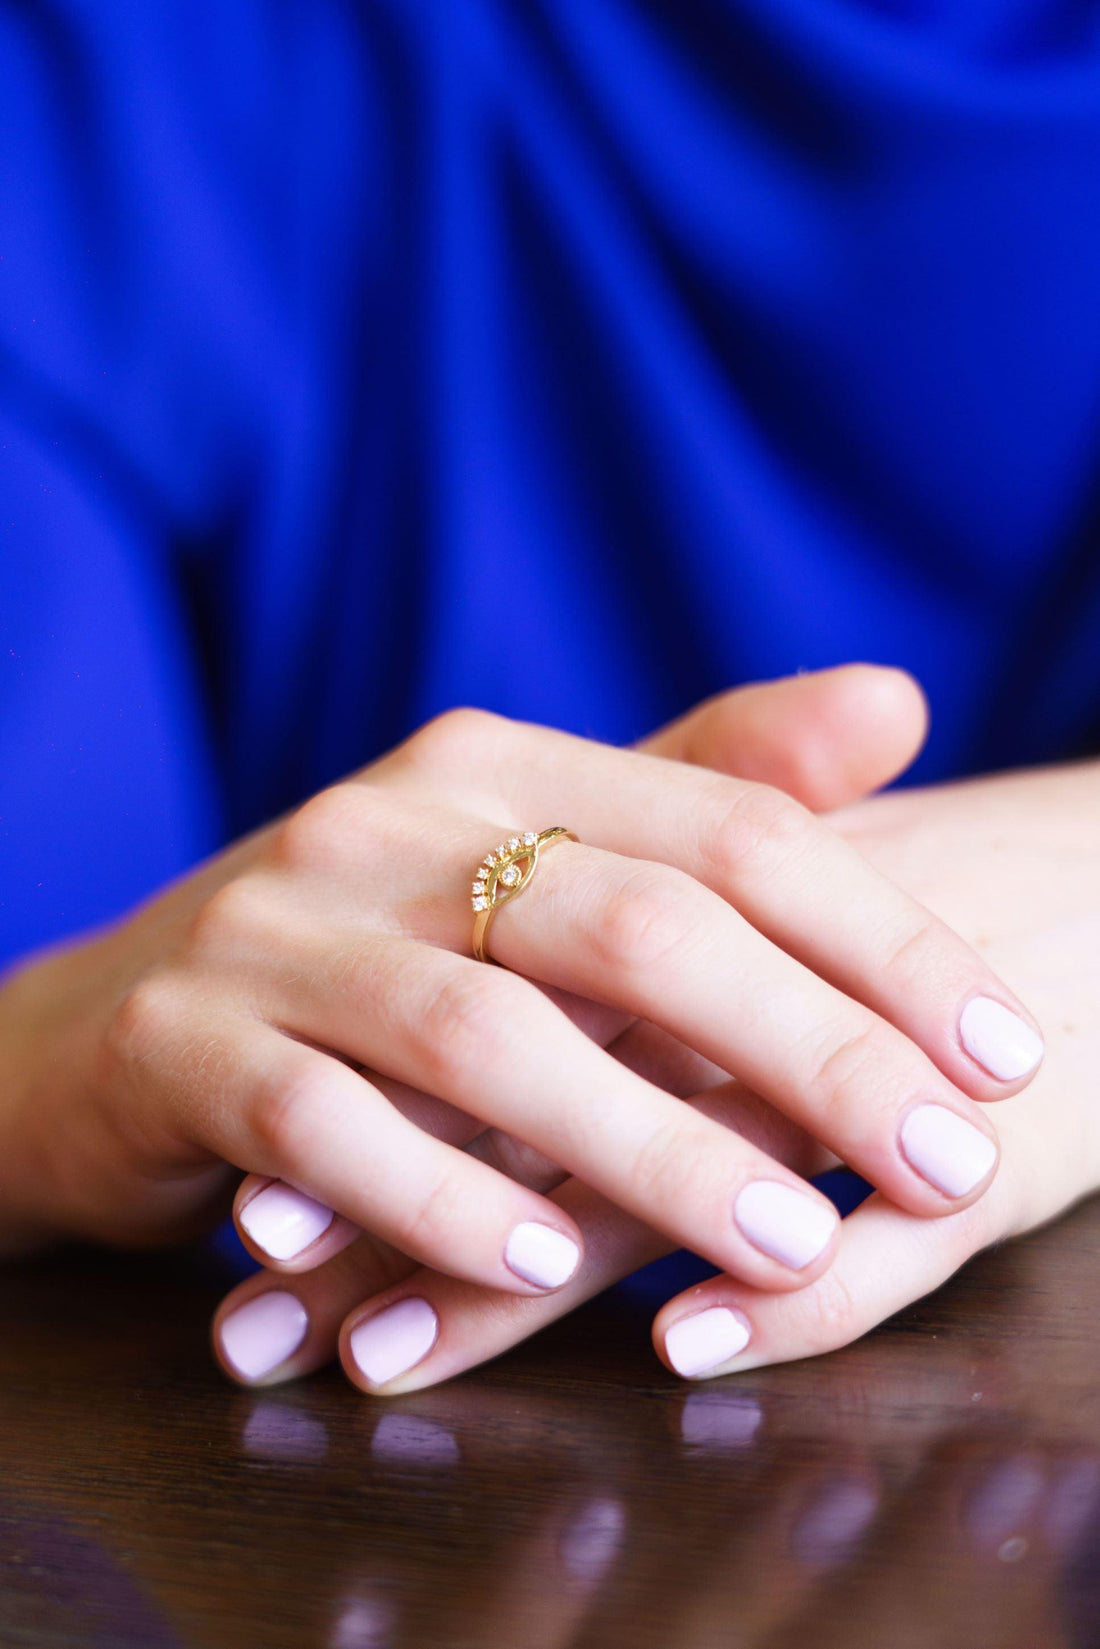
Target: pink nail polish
(705,1340)
(949,1153)
(282,1221)
(393,1340)
(541,1255)
(263,1333)
(1002,1043)
(784,1223)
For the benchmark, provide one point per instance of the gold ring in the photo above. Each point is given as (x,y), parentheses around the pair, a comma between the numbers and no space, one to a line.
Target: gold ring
(503,875)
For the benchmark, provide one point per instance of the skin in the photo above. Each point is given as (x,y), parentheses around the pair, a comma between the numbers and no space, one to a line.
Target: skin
(1011,863)
(303,1007)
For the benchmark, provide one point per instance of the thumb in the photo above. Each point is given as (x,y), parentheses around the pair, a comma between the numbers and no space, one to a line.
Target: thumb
(827,738)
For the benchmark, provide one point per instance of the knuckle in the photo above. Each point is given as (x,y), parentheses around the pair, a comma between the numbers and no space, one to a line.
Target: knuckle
(427,1228)
(230,919)
(284,1119)
(761,826)
(833,1318)
(468,1019)
(911,947)
(850,1071)
(642,922)
(517,1160)
(453,739)
(145,1020)
(321,832)
(663,1172)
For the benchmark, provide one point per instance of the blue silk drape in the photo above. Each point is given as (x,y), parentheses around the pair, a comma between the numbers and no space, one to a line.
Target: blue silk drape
(576,358)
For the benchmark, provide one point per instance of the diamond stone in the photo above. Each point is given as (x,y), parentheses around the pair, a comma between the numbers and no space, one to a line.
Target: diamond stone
(509,876)
(513,843)
(477,887)
(530,839)
(481,903)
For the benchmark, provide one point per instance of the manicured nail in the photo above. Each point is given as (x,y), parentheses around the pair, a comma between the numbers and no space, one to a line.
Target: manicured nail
(1003,1044)
(541,1255)
(705,1340)
(283,1221)
(393,1340)
(946,1151)
(263,1333)
(792,1228)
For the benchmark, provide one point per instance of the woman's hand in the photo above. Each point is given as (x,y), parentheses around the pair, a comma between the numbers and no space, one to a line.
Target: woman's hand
(314,1306)
(1011,862)
(302,1007)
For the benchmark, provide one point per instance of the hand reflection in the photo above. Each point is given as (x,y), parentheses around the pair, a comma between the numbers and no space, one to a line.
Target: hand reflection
(731,1523)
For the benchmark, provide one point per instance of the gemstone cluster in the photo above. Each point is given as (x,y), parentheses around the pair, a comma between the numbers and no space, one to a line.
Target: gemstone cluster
(499,869)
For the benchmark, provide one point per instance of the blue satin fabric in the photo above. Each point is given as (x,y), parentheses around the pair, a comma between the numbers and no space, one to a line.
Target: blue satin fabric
(575,358)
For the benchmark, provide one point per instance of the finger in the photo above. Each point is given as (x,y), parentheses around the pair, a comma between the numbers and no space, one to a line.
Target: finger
(491,1043)
(287,1230)
(827,737)
(426,1328)
(667,949)
(481,1322)
(294,1113)
(786,871)
(271,1328)
(885,1260)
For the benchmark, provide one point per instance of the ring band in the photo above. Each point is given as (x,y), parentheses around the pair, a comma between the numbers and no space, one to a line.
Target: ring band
(503,875)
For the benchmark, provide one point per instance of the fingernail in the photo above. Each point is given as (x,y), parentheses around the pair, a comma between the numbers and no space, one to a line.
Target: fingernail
(792,1228)
(705,1340)
(393,1340)
(541,1255)
(263,1333)
(1003,1044)
(946,1151)
(283,1221)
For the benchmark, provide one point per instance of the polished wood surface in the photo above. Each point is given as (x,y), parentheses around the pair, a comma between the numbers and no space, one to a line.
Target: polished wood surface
(938,1484)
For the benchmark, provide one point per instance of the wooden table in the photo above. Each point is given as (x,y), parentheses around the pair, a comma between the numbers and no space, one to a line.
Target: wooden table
(936,1485)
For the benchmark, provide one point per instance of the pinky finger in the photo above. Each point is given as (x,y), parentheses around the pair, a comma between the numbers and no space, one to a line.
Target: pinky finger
(885,1260)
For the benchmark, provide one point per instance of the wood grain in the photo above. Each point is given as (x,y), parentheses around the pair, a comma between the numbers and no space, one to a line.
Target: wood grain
(938,1484)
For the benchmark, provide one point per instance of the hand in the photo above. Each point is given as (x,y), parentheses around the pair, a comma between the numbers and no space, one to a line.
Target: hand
(317,1301)
(1009,861)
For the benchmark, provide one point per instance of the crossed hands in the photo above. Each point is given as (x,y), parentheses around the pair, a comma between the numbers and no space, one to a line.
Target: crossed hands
(712,996)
